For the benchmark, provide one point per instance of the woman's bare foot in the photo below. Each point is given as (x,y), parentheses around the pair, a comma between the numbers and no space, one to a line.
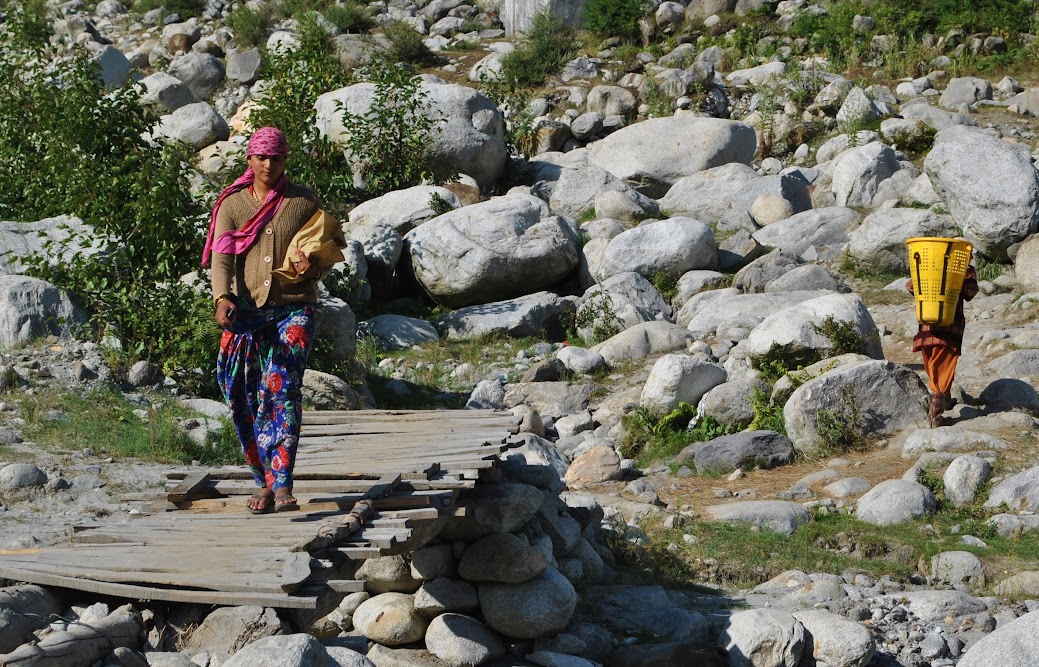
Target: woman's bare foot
(260,502)
(285,502)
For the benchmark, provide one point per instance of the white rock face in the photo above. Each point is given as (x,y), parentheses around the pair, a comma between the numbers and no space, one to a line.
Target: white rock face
(879,243)
(461,640)
(957,567)
(796,329)
(202,73)
(1020,492)
(654,154)
(727,311)
(895,501)
(678,378)
(963,477)
(470,141)
(577,191)
(540,607)
(888,397)
(705,195)
(820,233)
(671,246)
(491,251)
(836,641)
(763,638)
(33,308)
(390,619)
(643,340)
(165,91)
(859,172)
(1016,643)
(402,209)
(990,187)
(197,125)
(298,650)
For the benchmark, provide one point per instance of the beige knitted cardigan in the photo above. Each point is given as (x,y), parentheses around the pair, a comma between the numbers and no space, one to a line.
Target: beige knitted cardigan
(249,275)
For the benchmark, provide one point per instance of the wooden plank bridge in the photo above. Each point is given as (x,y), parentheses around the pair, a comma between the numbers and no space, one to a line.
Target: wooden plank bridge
(369,483)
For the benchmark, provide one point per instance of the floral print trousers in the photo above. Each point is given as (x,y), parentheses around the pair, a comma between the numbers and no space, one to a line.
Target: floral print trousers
(260,372)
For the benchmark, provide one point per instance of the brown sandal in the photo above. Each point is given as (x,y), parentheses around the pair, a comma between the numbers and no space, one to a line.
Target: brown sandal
(261,502)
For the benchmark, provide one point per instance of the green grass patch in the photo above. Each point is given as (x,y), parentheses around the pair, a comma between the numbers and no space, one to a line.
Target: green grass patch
(549,44)
(734,555)
(105,420)
(650,439)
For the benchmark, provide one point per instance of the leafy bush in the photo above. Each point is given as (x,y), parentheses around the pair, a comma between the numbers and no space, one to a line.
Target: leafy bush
(295,80)
(250,26)
(843,336)
(840,429)
(407,46)
(349,17)
(392,141)
(649,438)
(549,44)
(185,8)
(29,25)
(87,156)
(614,18)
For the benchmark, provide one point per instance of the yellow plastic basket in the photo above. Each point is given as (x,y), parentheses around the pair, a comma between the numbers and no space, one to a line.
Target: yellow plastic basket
(937,267)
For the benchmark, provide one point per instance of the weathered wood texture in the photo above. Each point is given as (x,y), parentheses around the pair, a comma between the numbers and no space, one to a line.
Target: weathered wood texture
(369,483)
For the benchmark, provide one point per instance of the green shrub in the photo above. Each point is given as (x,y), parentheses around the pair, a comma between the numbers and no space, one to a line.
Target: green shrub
(648,438)
(393,140)
(250,26)
(840,429)
(185,8)
(666,284)
(29,25)
(614,18)
(407,46)
(350,17)
(549,44)
(295,80)
(843,336)
(87,156)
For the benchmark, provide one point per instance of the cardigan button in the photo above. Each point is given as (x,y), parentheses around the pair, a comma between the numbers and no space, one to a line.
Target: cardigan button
(267,259)
(270,231)
(266,283)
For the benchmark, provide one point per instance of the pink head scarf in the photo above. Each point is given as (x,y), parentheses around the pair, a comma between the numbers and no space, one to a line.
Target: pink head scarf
(264,141)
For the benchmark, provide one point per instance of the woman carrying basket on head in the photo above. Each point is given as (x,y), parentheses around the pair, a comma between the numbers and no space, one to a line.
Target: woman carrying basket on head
(941,346)
(270,243)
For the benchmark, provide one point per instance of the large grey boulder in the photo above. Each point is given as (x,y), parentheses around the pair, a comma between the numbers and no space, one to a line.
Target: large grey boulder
(202,73)
(470,139)
(759,273)
(325,391)
(817,234)
(747,448)
(934,606)
(113,65)
(446,595)
(762,638)
(643,340)
(1020,492)
(398,332)
(386,574)
(244,66)
(767,200)
(611,100)
(857,111)
(808,277)
(887,397)
(495,508)
(382,246)
(461,640)
(895,501)
(965,91)
(390,619)
(963,477)
(670,247)
(228,629)
(197,125)
(502,557)
(491,251)
(678,378)
(757,75)
(990,187)
(732,403)
(694,282)
(797,332)
(403,209)
(780,516)
(58,239)
(622,300)
(578,191)
(1026,270)
(949,439)
(641,611)
(654,154)
(298,650)
(1012,645)
(18,476)
(705,195)
(834,641)
(1016,363)
(1010,394)
(165,92)
(31,308)
(878,245)
(726,313)
(936,118)
(858,173)
(540,607)
(529,315)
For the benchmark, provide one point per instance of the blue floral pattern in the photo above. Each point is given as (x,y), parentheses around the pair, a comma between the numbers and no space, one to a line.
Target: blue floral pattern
(260,371)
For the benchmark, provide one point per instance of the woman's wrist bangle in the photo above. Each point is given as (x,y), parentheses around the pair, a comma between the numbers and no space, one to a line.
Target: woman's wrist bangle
(222,297)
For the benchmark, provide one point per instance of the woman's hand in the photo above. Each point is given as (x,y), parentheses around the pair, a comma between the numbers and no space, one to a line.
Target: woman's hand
(225,313)
(301,263)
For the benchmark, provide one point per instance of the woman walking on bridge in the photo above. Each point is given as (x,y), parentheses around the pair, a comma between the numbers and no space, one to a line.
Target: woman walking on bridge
(270,243)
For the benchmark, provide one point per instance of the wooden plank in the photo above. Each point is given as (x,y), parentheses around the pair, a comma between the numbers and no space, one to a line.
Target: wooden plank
(282,601)
(189,486)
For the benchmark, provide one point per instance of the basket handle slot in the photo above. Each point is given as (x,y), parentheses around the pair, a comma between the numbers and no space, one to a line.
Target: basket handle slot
(945,267)
(919,283)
